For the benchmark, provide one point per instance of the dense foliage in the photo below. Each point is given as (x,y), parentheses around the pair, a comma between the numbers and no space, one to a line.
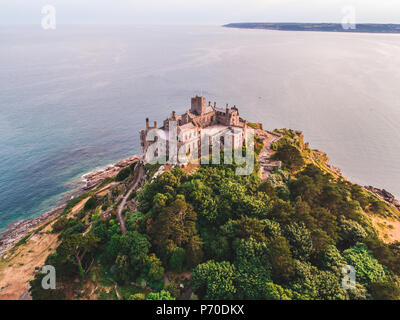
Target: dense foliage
(241,238)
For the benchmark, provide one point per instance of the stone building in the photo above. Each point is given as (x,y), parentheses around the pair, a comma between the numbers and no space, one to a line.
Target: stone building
(200,120)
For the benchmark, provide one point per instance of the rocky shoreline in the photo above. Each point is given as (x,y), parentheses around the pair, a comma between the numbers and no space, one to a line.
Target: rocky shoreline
(20,228)
(384,195)
(96,177)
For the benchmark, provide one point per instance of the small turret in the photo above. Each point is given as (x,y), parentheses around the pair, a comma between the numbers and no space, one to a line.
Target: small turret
(147,123)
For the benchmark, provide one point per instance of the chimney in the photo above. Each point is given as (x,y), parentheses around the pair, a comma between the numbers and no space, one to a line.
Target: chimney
(173,115)
(155,124)
(147,123)
(215,104)
(209,103)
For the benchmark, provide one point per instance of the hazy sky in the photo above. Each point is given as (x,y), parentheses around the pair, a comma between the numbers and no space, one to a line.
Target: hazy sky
(198,11)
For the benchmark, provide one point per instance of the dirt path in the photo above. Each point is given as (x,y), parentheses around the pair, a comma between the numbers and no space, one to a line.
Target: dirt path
(121,207)
(265,154)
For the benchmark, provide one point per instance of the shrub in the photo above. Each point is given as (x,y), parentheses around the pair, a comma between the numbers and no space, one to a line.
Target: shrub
(123,174)
(90,204)
(60,224)
(162,295)
(176,260)
(137,296)
(367,267)
(385,290)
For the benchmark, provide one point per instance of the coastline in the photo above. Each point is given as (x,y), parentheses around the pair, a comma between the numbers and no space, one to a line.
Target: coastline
(366,28)
(18,229)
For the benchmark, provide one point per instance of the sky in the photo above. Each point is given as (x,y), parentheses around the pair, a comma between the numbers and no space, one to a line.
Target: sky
(198,11)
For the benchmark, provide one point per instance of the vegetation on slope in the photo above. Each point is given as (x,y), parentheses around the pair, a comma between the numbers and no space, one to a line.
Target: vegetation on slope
(236,236)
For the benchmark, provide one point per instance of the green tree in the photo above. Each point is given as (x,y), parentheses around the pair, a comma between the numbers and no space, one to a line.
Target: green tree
(311,283)
(159,201)
(253,269)
(177,259)
(137,296)
(162,295)
(90,204)
(290,156)
(300,240)
(281,260)
(367,267)
(385,290)
(77,247)
(60,224)
(194,251)
(214,280)
(175,223)
(351,232)
(123,174)
(153,271)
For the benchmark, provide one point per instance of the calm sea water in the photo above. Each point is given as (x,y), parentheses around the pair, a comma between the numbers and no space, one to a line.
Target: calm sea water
(75,98)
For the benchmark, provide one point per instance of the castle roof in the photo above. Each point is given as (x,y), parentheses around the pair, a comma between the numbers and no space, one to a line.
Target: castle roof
(187,126)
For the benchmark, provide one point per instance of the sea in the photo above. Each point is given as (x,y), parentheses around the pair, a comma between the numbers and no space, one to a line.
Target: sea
(73,99)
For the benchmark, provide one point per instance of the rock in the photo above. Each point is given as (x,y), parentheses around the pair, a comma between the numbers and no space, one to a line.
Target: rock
(96,177)
(384,195)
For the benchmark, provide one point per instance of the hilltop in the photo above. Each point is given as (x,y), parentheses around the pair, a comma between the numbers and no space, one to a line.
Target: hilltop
(199,231)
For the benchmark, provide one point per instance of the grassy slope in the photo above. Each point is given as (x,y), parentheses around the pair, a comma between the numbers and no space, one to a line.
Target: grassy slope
(387,224)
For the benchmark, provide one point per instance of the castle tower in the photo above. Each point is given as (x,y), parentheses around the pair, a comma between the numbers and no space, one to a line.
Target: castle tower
(227,115)
(198,105)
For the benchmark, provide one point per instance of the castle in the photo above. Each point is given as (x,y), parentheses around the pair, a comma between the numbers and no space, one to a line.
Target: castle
(197,122)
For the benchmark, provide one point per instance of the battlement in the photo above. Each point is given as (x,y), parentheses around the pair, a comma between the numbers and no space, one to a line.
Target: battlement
(199,117)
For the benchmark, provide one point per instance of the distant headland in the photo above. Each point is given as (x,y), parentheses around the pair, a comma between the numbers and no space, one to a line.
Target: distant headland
(324,27)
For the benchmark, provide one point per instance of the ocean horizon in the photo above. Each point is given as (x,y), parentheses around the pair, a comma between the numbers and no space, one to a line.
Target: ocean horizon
(74,99)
